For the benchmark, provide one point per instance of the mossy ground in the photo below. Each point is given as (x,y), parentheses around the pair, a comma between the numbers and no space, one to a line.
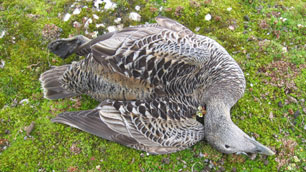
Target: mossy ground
(267,39)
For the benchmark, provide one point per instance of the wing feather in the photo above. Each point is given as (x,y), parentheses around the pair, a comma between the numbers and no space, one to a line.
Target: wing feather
(157,126)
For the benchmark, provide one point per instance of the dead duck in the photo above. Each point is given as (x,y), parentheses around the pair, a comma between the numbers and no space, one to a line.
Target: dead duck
(150,80)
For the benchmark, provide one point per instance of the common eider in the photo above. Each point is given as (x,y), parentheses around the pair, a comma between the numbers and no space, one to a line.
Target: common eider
(150,80)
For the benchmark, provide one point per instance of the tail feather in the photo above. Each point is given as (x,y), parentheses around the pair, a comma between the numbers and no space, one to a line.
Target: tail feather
(51,83)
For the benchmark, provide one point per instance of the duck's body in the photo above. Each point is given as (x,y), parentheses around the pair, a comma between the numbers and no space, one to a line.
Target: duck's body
(151,79)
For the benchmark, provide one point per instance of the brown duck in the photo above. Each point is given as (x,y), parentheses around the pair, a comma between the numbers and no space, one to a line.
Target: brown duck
(151,79)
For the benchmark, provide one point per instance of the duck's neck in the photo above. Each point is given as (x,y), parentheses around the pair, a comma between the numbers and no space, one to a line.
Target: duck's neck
(217,115)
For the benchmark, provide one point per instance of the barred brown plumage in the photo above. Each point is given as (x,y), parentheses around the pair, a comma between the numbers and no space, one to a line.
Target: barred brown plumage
(151,79)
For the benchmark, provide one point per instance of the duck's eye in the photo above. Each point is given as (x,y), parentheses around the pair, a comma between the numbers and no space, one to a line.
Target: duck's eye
(227,146)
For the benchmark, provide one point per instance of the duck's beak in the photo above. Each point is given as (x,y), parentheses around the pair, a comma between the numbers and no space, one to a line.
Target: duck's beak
(260,148)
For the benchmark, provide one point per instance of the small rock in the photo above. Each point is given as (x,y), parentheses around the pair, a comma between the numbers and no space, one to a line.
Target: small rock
(117,20)
(2,64)
(7,131)
(296,114)
(100,25)
(137,7)
(24,101)
(253,156)
(211,165)
(296,159)
(74,149)
(280,104)
(76,11)
(97,3)
(134,16)
(246,18)
(66,17)
(109,5)
(166,160)
(217,18)
(86,25)
(76,24)
(95,16)
(14,103)
(29,128)
(112,28)
(292,99)
(208,17)
(222,168)
(271,116)
(2,34)
(197,29)
(231,27)
(266,162)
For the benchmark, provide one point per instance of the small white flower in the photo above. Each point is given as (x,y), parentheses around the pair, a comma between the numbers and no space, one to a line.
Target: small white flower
(197,29)
(251,85)
(95,16)
(67,17)
(229,9)
(137,7)
(117,20)
(284,49)
(134,16)
(208,17)
(98,167)
(112,28)
(161,8)
(76,11)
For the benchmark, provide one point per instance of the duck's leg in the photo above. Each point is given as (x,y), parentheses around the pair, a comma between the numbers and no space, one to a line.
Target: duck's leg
(67,46)
(78,44)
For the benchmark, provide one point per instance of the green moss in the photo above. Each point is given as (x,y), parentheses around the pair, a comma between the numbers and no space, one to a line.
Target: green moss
(255,44)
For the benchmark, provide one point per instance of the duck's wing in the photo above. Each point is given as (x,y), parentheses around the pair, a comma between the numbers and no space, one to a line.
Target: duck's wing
(157,126)
(154,53)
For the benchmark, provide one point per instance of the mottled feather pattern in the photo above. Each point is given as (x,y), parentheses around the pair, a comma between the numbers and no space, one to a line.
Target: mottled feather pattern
(163,122)
(151,79)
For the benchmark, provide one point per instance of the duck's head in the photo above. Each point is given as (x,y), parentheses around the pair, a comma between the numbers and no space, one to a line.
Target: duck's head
(227,137)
